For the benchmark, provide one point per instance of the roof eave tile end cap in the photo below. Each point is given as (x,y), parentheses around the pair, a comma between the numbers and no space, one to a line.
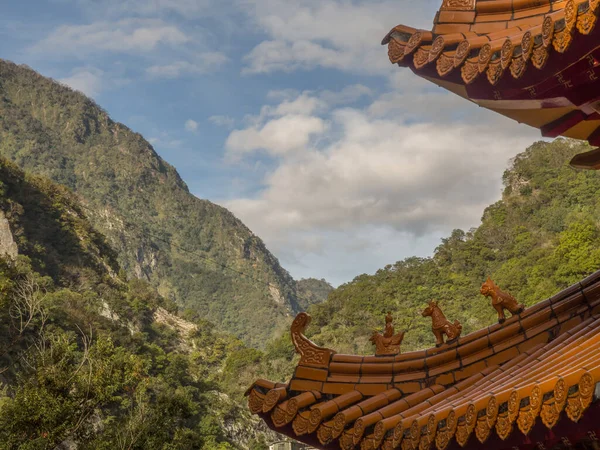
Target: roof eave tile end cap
(264,384)
(398,29)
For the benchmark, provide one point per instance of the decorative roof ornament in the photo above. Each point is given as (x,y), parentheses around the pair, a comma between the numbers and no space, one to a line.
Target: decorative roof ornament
(501,301)
(488,385)
(535,62)
(442,326)
(388,343)
(310,353)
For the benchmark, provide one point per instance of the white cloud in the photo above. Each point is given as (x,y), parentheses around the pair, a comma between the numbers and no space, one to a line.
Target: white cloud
(126,35)
(191,125)
(349,94)
(88,80)
(278,136)
(201,64)
(385,172)
(222,121)
(185,8)
(328,33)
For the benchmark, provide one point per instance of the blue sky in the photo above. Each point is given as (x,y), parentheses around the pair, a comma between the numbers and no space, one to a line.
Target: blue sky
(286,112)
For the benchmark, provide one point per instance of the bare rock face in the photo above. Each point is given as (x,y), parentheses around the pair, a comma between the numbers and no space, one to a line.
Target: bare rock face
(8,246)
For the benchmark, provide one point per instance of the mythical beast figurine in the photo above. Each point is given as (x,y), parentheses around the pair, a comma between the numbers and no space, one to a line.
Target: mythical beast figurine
(501,300)
(442,326)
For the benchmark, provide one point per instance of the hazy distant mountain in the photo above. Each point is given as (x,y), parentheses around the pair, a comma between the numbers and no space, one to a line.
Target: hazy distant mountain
(312,291)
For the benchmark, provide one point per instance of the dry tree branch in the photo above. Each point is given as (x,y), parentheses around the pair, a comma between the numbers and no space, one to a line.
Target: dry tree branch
(27,304)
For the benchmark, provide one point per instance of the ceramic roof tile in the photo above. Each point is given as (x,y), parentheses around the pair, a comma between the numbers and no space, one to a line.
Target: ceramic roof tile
(534,367)
(524,64)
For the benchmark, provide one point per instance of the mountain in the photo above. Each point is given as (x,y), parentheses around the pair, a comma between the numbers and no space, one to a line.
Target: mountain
(191,250)
(312,291)
(541,237)
(89,360)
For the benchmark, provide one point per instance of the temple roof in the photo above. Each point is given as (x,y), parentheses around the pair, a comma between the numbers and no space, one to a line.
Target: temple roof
(535,61)
(522,380)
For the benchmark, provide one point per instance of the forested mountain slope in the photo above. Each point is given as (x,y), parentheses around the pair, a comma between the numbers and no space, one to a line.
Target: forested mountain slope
(541,237)
(312,291)
(50,130)
(93,361)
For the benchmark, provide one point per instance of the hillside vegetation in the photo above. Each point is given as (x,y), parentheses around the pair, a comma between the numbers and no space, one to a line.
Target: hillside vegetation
(90,360)
(160,232)
(543,236)
(312,291)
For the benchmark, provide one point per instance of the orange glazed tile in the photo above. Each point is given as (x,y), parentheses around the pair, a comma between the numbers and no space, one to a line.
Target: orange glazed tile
(383,379)
(467,372)
(505,333)
(559,6)
(503,357)
(446,379)
(408,387)
(383,368)
(451,28)
(456,17)
(529,4)
(487,28)
(535,319)
(409,377)
(379,359)
(454,365)
(541,328)
(474,347)
(266,384)
(494,6)
(574,301)
(542,338)
(311,374)
(392,395)
(512,342)
(348,399)
(305,385)
(592,292)
(565,293)
(344,368)
(502,35)
(347,359)
(343,379)
(337,388)
(528,22)
(442,358)
(532,12)
(497,17)
(592,279)
(371,389)
(480,333)
(437,350)
(534,309)
(411,356)
(583,311)
(479,356)
(409,366)
(380,400)
(593,304)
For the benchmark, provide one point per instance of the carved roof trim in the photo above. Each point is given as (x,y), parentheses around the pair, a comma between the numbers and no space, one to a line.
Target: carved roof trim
(492,382)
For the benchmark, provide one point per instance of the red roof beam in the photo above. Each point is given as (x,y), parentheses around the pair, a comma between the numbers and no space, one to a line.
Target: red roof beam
(563,124)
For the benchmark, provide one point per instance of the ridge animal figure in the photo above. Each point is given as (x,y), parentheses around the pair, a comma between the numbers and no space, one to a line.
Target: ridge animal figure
(388,343)
(501,300)
(442,326)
